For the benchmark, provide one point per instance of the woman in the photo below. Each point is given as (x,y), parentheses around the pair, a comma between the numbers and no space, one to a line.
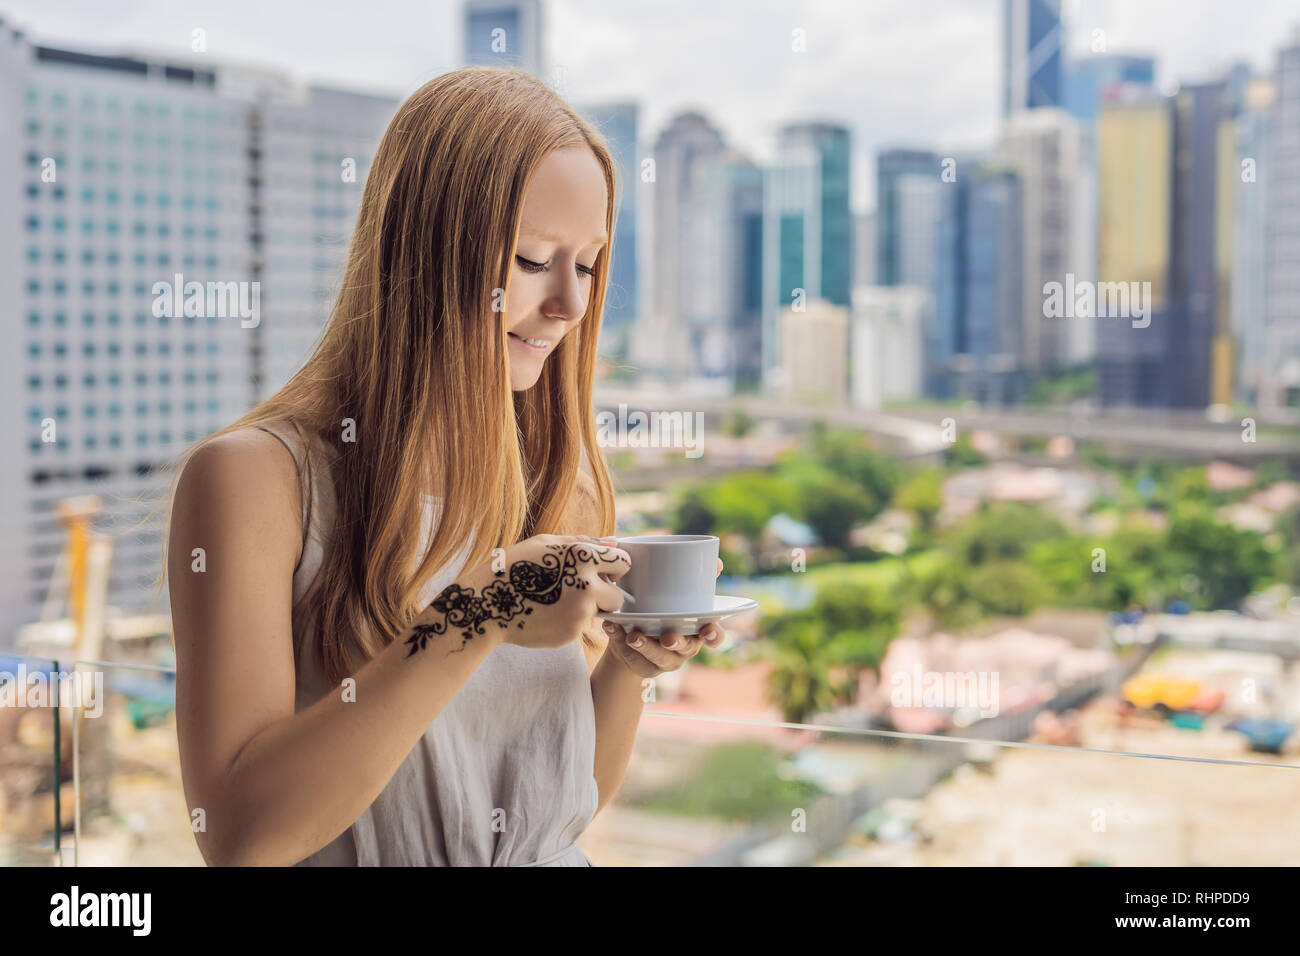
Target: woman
(384,578)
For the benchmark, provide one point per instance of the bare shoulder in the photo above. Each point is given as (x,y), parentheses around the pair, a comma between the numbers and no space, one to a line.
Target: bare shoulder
(242,485)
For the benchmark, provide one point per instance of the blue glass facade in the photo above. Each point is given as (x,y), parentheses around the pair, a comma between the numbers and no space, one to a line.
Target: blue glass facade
(619,124)
(892,167)
(1087,80)
(977,288)
(1031,54)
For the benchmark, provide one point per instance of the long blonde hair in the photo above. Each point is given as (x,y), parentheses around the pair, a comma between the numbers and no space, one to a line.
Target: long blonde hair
(415,354)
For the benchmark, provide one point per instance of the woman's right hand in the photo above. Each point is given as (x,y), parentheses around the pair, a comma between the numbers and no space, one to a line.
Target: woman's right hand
(541,592)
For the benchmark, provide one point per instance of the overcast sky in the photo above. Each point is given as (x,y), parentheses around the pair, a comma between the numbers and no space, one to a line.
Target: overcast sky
(921,72)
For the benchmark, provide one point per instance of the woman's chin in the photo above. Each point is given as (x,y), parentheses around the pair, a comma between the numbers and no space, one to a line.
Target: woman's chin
(523,379)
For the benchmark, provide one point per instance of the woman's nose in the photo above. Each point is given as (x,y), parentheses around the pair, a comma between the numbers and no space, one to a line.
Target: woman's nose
(569,300)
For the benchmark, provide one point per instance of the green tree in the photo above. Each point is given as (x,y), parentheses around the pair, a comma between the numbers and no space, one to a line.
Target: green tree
(801,682)
(922,494)
(1003,530)
(945,591)
(738,423)
(1269,473)
(1289,564)
(734,781)
(847,453)
(962,454)
(745,501)
(692,514)
(861,621)
(1007,587)
(830,503)
(1228,563)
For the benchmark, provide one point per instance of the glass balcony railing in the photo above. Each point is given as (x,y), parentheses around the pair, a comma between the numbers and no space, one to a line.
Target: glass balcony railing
(703,787)
(36,787)
(716,791)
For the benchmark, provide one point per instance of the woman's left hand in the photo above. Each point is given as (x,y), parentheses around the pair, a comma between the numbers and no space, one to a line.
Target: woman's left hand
(648,656)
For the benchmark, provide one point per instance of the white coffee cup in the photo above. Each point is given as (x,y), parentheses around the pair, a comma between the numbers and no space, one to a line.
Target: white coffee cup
(670,573)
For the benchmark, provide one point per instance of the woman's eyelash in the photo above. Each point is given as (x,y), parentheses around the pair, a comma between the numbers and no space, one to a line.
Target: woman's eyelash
(529,266)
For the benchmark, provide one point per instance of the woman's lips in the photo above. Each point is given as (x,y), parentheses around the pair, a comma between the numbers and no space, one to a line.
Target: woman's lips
(539,349)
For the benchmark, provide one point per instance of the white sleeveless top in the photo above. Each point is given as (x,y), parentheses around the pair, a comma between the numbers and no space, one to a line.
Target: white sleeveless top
(504,774)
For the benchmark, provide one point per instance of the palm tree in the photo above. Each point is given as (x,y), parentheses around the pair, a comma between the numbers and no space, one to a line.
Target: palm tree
(801,680)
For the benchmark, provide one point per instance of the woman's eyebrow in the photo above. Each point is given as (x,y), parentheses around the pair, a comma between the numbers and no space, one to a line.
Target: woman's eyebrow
(552,237)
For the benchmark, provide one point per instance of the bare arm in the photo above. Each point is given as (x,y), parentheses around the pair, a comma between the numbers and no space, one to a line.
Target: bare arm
(276,786)
(616,696)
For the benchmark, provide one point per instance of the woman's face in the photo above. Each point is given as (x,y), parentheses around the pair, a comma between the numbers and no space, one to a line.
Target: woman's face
(561,232)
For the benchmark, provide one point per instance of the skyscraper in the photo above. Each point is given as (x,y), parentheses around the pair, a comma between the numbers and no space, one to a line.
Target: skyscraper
(619,124)
(1281,375)
(1250,232)
(126,173)
(833,240)
(735,347)
(971,351)
(671,337)
(139,181)
(1135,149)
(1199,352)
(1032,42)
(1045,148)
(1168,175)
(505,33)
(864,249)
(1090,80)
(807,226)
(907,206)
(313,154)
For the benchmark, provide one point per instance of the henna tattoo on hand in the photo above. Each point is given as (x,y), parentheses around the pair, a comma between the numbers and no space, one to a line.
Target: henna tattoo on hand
(503,601)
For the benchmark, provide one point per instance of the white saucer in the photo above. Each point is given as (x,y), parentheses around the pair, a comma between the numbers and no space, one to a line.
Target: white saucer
(683,622)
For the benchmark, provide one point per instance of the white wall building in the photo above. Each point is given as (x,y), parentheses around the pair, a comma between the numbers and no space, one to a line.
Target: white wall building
(125,174)
(814,352)
(886,344)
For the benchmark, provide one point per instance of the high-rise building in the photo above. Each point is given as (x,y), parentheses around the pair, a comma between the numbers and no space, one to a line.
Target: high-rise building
(312,151)
(1199,352)
(126,175)
(735,206)
(971,350)
(807,226)
(1249,238)
(864,249)
(141,184)
(1280,386)
(832,242)
(790,207)
(1168,178)
(908,187)
(671,337)
(1045,148)
(1135,149)
(1090,80)
(886,344)
(619,124)
(505,33)
(1032,43)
